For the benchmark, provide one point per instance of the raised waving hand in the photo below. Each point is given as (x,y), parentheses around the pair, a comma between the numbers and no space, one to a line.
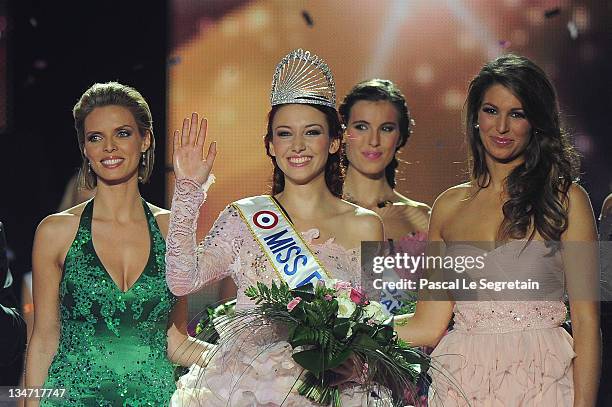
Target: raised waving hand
(189,159)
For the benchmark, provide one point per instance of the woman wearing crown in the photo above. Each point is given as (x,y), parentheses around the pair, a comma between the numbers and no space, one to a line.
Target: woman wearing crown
(253,366)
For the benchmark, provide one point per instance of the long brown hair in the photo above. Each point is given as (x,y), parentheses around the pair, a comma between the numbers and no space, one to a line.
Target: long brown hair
(538,187)
(375,90)
(334,172)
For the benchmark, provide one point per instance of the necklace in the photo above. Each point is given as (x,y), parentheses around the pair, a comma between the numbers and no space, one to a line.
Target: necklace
(348,197)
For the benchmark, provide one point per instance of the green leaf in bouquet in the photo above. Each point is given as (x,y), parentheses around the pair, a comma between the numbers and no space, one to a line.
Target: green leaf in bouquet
(339,358)
(298,311)
(304,335)
(306,292)
(414,357)
(274,291)
(384,334)
(363,328)
(313,360)
(314,318)
(341,327)
(365,341)
(251,292)
(329,309)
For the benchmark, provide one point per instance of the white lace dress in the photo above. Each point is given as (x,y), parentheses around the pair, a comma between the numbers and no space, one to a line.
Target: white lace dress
(253,366)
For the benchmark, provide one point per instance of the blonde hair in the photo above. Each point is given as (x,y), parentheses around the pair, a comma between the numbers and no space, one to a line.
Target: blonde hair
(113,94)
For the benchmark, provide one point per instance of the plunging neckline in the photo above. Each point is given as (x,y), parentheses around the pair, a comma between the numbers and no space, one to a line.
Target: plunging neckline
(99,260)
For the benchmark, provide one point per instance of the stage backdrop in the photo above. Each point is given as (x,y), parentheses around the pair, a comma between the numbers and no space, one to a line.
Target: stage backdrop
(223,55)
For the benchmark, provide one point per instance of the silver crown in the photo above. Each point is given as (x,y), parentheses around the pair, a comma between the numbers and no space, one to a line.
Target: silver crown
(303,78)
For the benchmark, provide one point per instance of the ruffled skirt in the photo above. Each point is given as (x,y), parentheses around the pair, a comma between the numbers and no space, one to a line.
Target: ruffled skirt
(521,368)
(257,371)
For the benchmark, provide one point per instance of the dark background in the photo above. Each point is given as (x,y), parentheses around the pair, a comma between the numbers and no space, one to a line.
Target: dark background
(56,50)
(51,51)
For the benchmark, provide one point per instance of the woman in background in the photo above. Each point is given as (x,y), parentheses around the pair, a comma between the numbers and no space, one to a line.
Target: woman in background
(378,125)
(522,194)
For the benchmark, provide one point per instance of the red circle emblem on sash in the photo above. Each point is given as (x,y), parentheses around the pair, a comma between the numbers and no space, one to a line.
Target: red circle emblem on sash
(265,219)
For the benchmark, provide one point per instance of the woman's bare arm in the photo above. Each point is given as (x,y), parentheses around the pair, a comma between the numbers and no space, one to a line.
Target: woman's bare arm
(50,242)
(580,258)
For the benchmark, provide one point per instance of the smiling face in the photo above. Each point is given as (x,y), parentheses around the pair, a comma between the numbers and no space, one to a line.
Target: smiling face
(372,136)
(113,144)
(301,142)
(504,129)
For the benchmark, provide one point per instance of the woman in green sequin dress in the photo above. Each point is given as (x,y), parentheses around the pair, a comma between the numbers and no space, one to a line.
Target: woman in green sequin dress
(106,325)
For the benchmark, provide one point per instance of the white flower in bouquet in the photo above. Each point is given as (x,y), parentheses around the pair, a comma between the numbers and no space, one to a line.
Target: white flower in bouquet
(346,307)
(329,283)
(376,312)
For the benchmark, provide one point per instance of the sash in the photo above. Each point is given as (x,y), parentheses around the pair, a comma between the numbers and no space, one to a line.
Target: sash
(291,258)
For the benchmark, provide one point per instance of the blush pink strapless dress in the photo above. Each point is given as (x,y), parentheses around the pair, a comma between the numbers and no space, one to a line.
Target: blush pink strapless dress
(506,353)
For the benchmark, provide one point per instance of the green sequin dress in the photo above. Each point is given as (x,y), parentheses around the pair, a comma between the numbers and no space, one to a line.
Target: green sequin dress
(112,347)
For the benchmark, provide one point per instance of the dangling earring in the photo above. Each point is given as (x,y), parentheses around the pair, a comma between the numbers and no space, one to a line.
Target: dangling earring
(143,163)
(89,167)
(477,126)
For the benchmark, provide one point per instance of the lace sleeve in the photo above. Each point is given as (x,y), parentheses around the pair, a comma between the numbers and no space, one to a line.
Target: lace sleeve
(188,266)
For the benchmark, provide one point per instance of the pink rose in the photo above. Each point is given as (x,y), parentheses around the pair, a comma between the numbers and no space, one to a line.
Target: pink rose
(357,296)
(342,285)
(293,303)
(328,297)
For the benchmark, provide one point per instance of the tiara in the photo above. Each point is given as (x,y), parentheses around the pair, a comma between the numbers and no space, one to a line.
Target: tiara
(301,77)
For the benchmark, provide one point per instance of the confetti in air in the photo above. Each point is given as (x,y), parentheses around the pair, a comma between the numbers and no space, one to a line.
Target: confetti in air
(573,30)
(505,44)
(552,12)
(307,18)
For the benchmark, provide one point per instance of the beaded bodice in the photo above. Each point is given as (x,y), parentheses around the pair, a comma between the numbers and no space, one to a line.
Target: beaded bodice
(112,347)
(518,311)
(230,250)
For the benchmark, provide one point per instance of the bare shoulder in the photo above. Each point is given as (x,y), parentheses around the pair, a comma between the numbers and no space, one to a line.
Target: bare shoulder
(581,219)
(362,222)
(578,197)
(446,208)
(404,200)
(56,231)
(450,199)
(413,206)
(606,208)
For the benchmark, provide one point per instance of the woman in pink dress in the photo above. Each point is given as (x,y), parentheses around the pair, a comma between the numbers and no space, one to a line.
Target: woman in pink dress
(522,194)
(253,365)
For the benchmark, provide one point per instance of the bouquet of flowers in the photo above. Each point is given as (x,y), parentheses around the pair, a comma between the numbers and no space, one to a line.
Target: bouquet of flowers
(330,322)
(206,326)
